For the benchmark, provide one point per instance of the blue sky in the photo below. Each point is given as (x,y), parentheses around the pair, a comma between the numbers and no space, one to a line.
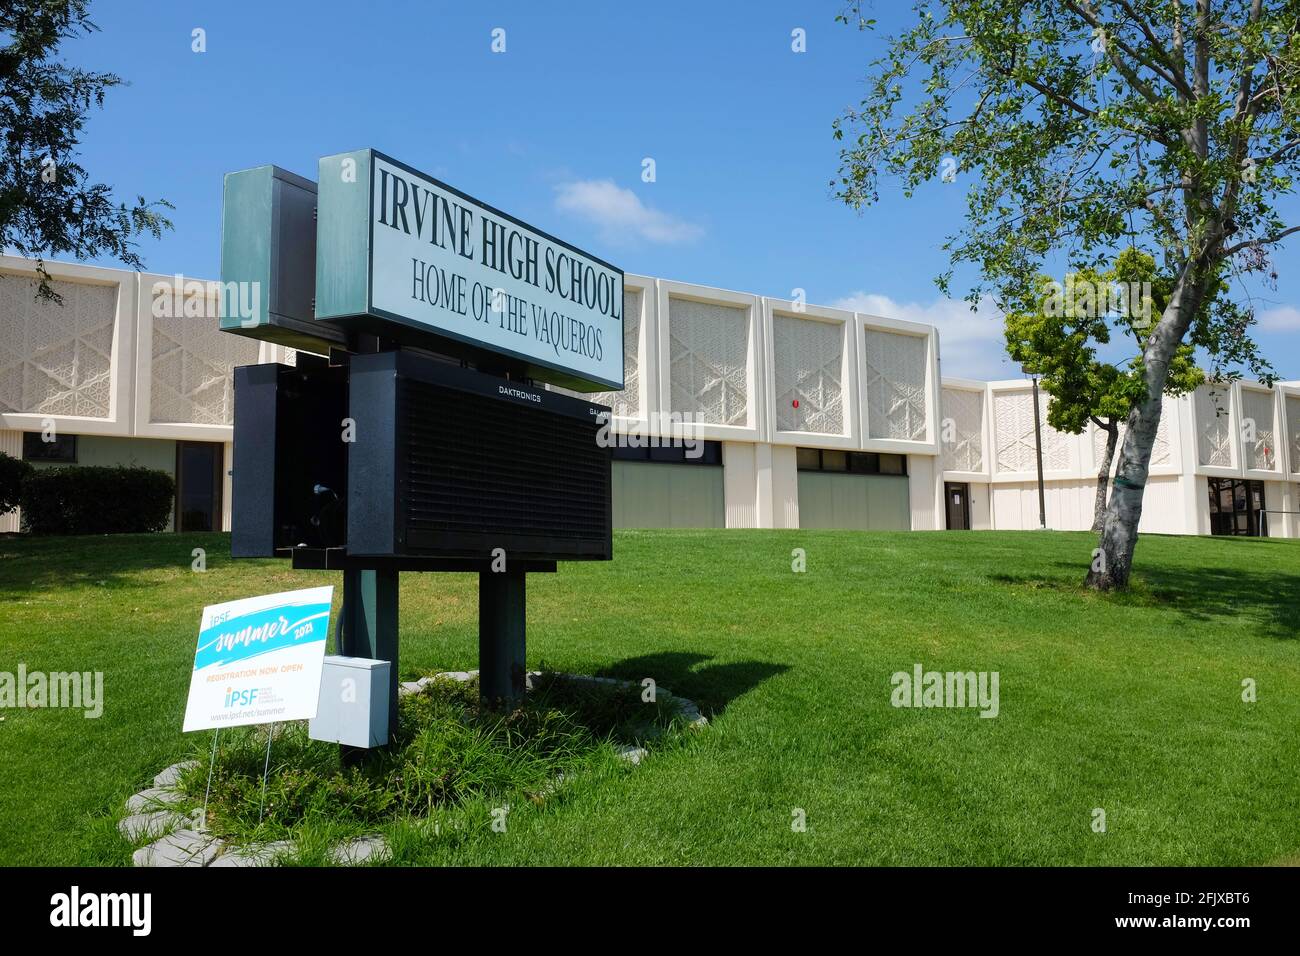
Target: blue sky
(555,130)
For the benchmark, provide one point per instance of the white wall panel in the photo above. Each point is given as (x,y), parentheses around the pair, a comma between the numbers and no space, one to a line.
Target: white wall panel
(1214,428)
(785,487)
(1162,507)
(1161,449)
(227,483)
(895,385)
(1259,432)
(191,364)
(69,363)
(981,518)
(925,492)
(11,444)
(740,484)
(708,361)
(1293,432)
(1015,443)
(56,358)
(961,430)
(808,370)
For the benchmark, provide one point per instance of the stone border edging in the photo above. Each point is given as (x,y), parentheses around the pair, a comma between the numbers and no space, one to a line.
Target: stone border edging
(177,839)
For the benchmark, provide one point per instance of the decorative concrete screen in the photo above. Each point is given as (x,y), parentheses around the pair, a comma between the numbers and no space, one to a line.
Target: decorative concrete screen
(1259,430)
(1161,449)
(808,361)
(1161,453)
(1099,445)
(1213,428)
(895,385)
(56,359)
(1013,417)
(1293,429)
(191,367)
(627,403)
(709,351)
(961,433)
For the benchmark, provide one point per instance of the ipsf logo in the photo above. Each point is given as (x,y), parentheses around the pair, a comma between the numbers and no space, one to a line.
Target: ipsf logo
(75,908)
(240,698)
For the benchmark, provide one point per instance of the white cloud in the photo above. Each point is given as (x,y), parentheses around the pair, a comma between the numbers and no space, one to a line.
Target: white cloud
(620,214)
(1285,318)
(970,343)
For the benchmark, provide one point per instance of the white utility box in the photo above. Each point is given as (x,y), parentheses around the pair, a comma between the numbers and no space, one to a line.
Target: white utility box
(353,708)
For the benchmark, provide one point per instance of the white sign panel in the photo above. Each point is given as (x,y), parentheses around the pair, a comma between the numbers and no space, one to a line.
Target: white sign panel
(443,261)
(258,660)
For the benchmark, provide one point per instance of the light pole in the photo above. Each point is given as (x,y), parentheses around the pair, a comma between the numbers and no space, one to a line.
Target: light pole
(1038,450)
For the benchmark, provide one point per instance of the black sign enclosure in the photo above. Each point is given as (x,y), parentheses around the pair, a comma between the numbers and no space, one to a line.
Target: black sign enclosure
(417,438)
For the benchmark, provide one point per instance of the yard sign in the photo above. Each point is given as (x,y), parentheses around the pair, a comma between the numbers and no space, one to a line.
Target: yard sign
(258,660)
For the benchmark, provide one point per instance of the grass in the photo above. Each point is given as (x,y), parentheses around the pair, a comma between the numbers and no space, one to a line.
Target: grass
(454,763)
(1130,703)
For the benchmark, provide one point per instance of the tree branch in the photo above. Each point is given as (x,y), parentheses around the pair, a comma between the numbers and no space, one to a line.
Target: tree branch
(1256,243)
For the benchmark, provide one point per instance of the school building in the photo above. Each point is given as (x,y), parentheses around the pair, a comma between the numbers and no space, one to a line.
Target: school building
(811,417)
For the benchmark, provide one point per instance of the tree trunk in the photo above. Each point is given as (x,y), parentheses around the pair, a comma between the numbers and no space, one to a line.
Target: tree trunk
(1103,474)
(1113,560)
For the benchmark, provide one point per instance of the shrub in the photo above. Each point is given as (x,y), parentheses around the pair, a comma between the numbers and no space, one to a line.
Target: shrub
(13,472)
(95,500)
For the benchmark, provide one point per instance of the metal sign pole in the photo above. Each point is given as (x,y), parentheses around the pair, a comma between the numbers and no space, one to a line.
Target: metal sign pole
(1038,448)
(502,635)
(370,625)
(266,768)
(212,762)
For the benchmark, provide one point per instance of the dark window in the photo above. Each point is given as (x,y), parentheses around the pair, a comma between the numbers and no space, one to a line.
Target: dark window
(702,453)
(63,448)
(854,462)
(1237,507)
(864,463)
(834,460)
(893,464)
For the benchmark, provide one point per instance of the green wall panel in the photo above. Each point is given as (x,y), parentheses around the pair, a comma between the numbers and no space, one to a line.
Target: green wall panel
(156,453)
(861,502)
(661,495)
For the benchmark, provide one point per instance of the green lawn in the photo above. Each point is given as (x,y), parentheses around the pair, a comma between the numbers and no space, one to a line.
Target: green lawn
(1131,704)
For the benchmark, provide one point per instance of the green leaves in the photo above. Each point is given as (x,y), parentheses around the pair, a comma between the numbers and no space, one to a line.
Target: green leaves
(1055,333)
(48,203)
(1084,129)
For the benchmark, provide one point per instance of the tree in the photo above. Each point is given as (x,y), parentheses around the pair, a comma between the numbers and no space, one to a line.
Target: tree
(1084,127)
(48,203)
(1057,338)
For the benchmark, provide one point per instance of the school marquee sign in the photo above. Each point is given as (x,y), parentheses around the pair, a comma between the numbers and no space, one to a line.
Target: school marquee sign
(394,245)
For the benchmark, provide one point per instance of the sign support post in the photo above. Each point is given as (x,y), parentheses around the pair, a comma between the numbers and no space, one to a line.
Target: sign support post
(502,671)
(370,624)
(439,314)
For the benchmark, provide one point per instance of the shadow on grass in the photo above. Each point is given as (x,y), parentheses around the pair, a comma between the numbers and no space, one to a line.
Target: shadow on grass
(1202,594)
(712,687)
